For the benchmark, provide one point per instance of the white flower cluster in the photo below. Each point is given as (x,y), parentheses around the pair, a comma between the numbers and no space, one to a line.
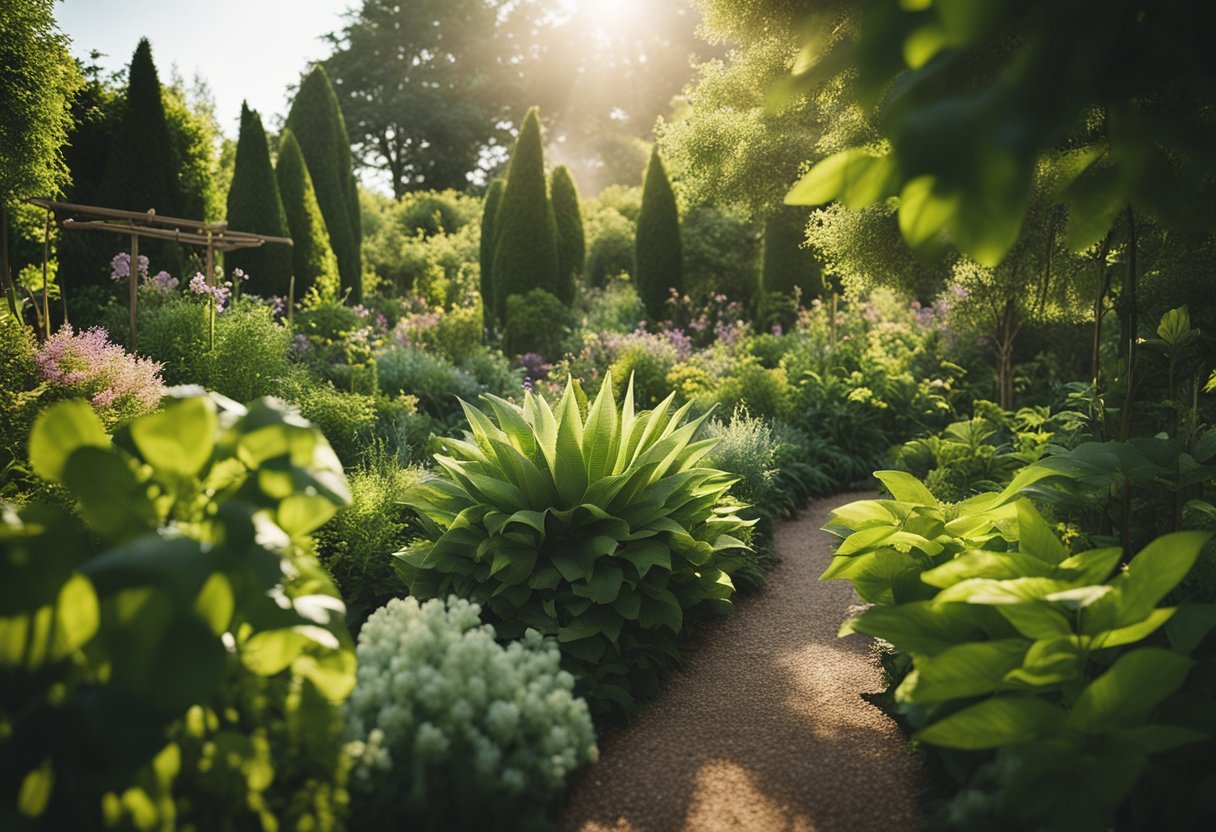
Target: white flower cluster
(438,698)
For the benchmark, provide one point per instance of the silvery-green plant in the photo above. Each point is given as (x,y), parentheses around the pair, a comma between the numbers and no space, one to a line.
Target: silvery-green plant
(602,530)
(451,730)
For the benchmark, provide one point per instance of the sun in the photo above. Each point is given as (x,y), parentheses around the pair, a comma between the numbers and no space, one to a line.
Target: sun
(608,17)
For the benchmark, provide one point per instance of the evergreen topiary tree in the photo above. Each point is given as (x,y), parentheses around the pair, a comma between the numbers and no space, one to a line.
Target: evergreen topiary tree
(657,250)
(525,248)
(139,172)
(786,267)
(317,122)
(571,244)
(254,205)
(488,228)
(313,260)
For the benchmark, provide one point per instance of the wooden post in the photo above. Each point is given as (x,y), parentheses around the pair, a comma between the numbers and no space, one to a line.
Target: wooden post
(210,260)
(46,254)
(134,283)
(291,300)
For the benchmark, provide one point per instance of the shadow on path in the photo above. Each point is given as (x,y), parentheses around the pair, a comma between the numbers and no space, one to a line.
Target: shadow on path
(764,729)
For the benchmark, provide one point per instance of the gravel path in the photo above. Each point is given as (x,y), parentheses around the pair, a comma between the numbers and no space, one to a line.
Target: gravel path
(764,728)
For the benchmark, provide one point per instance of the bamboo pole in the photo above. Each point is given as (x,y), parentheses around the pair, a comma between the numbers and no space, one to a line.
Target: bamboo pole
(133,273)
(46,256)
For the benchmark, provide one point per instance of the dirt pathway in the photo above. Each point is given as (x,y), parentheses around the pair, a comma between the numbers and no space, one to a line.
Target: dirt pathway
(764,729)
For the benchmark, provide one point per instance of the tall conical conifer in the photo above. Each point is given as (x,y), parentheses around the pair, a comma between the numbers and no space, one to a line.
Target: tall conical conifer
(525,249)
(139,172)
(489,214)
(254,205)
(571,244)
(317,122)
(312,256)
(658,251)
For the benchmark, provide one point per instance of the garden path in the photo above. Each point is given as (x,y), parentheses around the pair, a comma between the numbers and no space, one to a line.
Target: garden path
(764,729)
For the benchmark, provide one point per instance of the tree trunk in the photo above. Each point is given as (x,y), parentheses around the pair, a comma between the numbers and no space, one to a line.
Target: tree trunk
(1006,333)
(1130,328)
(10,289)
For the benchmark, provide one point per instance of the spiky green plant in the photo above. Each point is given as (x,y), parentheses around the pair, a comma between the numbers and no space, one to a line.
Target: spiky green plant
(600,529)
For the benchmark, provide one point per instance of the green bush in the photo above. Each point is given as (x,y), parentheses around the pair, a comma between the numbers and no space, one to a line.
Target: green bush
(355,545)
(183,659)
(601,531)
(525,248)
(316,121)
(251,355)
(1034,668)
(486,248)
(614,308)
(571,243)
(721,255)
(456,732)
(254,205)
(19,394)
(659,255)
(644,360)
(610,244)
(537,322)
(436,384)
(312,256)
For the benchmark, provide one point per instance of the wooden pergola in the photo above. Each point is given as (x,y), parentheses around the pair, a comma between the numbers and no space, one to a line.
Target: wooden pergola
(213,236)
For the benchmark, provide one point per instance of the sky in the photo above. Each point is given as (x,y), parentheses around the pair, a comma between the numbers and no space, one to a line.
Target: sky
(245,49)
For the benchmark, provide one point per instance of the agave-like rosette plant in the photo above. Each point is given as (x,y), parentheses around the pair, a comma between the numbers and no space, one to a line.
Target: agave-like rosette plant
(601,530)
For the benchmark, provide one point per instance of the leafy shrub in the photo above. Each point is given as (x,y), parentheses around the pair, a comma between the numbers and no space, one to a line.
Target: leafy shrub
(356,424)
(454,731)
(183,660)
(355,545)
(117,384)
(747,449)
(175,332)
(609,247)
(454,333)
(536,322)
(721,255)
(19,393)
(1034,667)
(494,372)
(602,531)
(251,355)
(614,308)
(436,384)
(645,360)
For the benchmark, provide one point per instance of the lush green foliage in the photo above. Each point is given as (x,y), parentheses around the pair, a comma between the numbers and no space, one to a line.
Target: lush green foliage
(254,205)
(538,322)
(599,529)
(1018,646)
(455,731)
(525,248)
(140,171)
(489,216)
(571,244)
(313,263)
(198,637)
(40,80)
(317,123)
(787,270)
(721,255)
(658,253)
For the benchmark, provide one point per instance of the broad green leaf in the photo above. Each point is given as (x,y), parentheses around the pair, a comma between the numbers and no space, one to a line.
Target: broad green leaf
(604,586)
(906,488)
(1132,633)
(962,671)
(1091,567)
(216,603)
(1049,661)
(646,554)
(1155,739)
(660,609)
(1035,537)
(601,439)
(178,440)
(1155,571)
(998,721)
(569,469)
(874,573)
(59,431)
(920,627)
(924,213)
(983,564)
(856,177)
(36,788)
(1036,619)
(1129,691)
(302,514)
(1190,625)
(575,559)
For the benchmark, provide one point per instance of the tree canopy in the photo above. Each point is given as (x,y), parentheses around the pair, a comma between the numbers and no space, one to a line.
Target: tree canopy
(313,262)
(254,205)
(571,243)
(658,252)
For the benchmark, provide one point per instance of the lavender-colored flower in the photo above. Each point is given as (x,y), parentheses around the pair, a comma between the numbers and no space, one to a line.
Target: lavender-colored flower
(120,266)
(87,364)
(198,284)
(300,344)
(163,282)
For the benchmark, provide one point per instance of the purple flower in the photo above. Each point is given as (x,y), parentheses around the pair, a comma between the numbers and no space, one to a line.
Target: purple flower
(120,266)
(87,364)
(163,282)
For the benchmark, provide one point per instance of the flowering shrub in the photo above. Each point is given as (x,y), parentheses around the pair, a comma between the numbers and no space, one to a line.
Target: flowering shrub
(119,385)
(453,731)
(120,266)
(454,333)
